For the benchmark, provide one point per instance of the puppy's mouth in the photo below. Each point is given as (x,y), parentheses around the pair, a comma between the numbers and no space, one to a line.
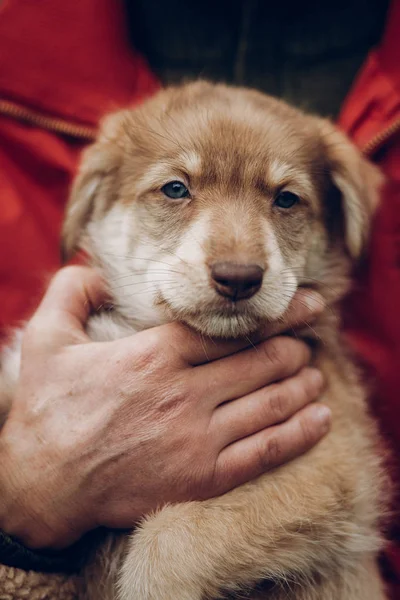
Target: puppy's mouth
(227,308)
(223,318)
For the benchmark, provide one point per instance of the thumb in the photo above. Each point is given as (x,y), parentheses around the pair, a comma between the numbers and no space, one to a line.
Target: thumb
(74,293)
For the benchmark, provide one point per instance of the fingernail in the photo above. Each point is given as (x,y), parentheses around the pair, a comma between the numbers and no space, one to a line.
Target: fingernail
(323,415)
(314,301)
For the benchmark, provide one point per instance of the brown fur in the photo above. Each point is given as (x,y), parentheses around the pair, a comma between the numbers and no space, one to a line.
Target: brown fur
(312,528)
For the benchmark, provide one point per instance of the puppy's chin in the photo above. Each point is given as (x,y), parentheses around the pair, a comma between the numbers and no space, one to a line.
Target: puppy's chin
(217,324)
(223,326)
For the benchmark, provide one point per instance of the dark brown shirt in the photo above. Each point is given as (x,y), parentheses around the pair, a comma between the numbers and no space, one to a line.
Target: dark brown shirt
(305,51)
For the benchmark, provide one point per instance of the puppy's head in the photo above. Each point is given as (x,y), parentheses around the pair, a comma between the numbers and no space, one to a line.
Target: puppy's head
(212,205)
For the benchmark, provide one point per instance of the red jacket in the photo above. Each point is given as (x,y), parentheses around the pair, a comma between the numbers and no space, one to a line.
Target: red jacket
(371,117)
(64,64)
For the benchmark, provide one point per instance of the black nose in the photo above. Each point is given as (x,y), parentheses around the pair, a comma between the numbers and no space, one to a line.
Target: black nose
(236,281)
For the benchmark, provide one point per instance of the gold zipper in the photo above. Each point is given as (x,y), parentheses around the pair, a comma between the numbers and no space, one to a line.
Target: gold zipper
(373,145)
(89,133)
(51,123)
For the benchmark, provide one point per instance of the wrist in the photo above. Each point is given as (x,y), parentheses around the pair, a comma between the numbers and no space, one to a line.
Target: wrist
(19,517)
(38,506)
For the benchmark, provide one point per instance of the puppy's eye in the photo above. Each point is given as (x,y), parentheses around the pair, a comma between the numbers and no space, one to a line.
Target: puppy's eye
(175,190)
(286,200)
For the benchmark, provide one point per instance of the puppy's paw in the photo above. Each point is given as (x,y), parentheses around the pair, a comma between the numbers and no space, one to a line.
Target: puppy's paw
(163,561)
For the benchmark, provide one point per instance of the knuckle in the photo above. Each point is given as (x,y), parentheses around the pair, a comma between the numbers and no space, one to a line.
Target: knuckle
(269,453)
(150,351)
(286,354)
(279,404)
(274,350)
(67,274)
(174,399)
(273,451)
(307,433)
(153,342)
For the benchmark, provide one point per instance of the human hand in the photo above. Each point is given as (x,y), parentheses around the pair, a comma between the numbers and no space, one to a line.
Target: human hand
(100,434)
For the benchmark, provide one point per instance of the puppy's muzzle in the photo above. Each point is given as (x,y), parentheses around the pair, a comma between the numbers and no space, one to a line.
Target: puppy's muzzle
(236,281)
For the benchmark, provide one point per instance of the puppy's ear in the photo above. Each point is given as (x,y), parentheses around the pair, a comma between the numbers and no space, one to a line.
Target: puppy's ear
(359,183)
(94,187)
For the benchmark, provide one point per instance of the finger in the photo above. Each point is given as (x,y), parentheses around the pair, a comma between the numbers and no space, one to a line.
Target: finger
(266,407)
(196,349)
(304,307)
(252,456)
(73,294)
(240,374)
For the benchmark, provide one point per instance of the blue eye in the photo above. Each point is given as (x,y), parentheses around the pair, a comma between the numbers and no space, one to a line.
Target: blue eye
(286,200)
(175,190)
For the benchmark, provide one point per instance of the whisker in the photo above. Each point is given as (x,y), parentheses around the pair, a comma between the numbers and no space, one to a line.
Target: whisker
(154,288)
(204,347)
(162,249)
(296,299)
(212,340)
(307,278)
(143,272)
(121,287)
(150,290)
(134,256)
(314,332)
(251,343)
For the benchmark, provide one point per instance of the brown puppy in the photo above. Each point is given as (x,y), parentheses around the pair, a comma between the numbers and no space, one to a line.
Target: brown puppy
(211,205)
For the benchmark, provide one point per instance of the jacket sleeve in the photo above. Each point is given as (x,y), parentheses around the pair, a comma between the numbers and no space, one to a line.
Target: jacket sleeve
(70,560)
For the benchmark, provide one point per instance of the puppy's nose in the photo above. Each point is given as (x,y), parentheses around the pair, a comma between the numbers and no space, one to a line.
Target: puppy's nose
(236,281)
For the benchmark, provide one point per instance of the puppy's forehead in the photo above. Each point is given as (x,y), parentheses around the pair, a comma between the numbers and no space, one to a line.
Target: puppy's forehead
(235,137)
(267,150)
